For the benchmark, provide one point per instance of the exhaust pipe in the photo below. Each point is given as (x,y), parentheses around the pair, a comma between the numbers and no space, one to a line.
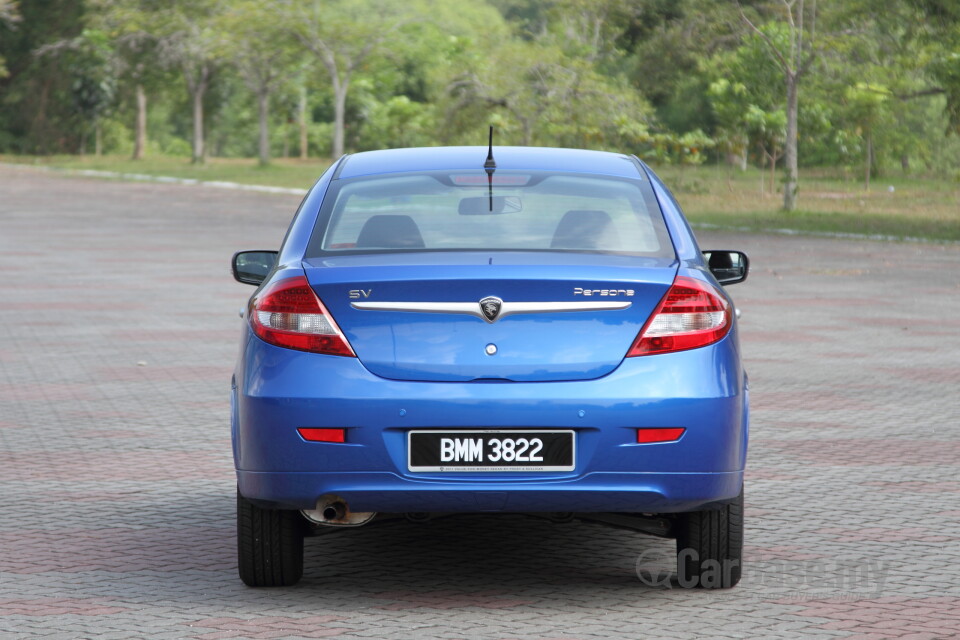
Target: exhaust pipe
(333,511)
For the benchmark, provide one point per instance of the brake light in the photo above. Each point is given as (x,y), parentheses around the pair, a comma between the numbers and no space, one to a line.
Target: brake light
(288,313)
(482,180)
(692,314)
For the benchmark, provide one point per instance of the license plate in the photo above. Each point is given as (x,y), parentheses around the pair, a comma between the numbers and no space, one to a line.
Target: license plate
(491,450)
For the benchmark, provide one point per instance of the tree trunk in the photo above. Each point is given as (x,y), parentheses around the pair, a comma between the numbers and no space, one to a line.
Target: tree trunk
(790,147)
(339,114)
(736,157)
(97,138)
(140,137)
(263,105)
(526,124)
(763,171)
(773,171)
(869,162)
(905,162)
(198,150)
(302,113)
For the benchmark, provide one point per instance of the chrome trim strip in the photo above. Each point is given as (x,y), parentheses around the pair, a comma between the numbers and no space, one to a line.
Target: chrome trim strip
(473,308)
(510,308)
(468,308)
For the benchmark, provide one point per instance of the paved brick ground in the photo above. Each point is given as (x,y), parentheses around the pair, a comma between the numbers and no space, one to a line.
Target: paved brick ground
(118,332)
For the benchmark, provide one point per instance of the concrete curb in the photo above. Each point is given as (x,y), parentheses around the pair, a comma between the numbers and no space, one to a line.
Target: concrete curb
(143,177)
(706,226)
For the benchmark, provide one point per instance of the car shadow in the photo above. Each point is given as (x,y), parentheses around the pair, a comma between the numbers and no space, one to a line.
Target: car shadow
(177,549)
(478,553)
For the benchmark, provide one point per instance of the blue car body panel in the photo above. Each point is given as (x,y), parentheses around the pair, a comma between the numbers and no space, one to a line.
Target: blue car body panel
(705,465)
(508,158)
(428,371)
(423,346)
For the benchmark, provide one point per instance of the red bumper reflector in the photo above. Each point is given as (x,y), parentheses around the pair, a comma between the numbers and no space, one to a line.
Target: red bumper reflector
(322,435)
(667,434)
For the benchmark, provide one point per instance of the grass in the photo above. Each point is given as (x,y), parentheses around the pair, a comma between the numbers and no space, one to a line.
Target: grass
(282,172)
(830,201)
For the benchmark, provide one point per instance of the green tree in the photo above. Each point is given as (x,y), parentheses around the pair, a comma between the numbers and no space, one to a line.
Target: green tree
(400,97)
(93,83)
(730,102)
(865,106)
(600,73)
(747,99)
(343,34)
(798,20)
(557,90)
(397,122)
(189,39)
(9,17)
(909,52)
(36,105)
(939,39)
(260,49)
(665,45)
(134,27)
(768,130)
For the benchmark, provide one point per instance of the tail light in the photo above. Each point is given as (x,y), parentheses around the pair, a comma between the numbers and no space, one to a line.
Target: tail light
(289,314)
(692,314)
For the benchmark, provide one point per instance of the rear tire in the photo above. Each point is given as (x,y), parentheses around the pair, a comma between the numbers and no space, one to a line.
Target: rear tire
(269,545)
(710,546)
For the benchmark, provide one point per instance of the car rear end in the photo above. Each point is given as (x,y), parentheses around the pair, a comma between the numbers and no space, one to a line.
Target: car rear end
(440,338)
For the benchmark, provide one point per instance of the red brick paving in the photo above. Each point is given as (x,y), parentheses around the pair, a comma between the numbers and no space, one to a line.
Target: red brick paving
(899,618)
(886,534)
(117,487)
(401,600)
(871,451)
(270,627)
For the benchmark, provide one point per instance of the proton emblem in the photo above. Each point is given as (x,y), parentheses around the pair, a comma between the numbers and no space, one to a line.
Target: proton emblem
(490,307)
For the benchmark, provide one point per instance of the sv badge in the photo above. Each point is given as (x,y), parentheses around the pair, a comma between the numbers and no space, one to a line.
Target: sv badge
(356,294)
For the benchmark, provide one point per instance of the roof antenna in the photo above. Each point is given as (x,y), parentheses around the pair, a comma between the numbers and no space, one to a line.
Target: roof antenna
(490,166)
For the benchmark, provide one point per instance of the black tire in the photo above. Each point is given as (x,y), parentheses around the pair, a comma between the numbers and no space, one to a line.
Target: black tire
(269,545)
(710,546)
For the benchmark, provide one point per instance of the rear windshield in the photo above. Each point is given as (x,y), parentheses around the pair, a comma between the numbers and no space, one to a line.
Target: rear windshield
(469,210)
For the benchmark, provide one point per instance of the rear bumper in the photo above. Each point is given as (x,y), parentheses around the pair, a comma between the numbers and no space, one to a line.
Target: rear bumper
(595,492)
(703,390)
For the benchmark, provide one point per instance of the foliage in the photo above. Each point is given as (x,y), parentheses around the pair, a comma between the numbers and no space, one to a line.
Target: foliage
(677,82)
(556,91)
(9,17)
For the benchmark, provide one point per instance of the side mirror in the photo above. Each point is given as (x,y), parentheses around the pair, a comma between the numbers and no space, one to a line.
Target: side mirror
(728,267)
(252,267)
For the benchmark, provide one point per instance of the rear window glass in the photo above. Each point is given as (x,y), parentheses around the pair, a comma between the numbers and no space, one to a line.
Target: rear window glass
(513,211)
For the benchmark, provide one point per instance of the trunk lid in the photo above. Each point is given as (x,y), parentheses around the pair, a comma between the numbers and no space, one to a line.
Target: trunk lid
(440,334)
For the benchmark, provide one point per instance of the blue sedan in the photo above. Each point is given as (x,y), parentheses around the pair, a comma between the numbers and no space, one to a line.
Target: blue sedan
(490,330)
